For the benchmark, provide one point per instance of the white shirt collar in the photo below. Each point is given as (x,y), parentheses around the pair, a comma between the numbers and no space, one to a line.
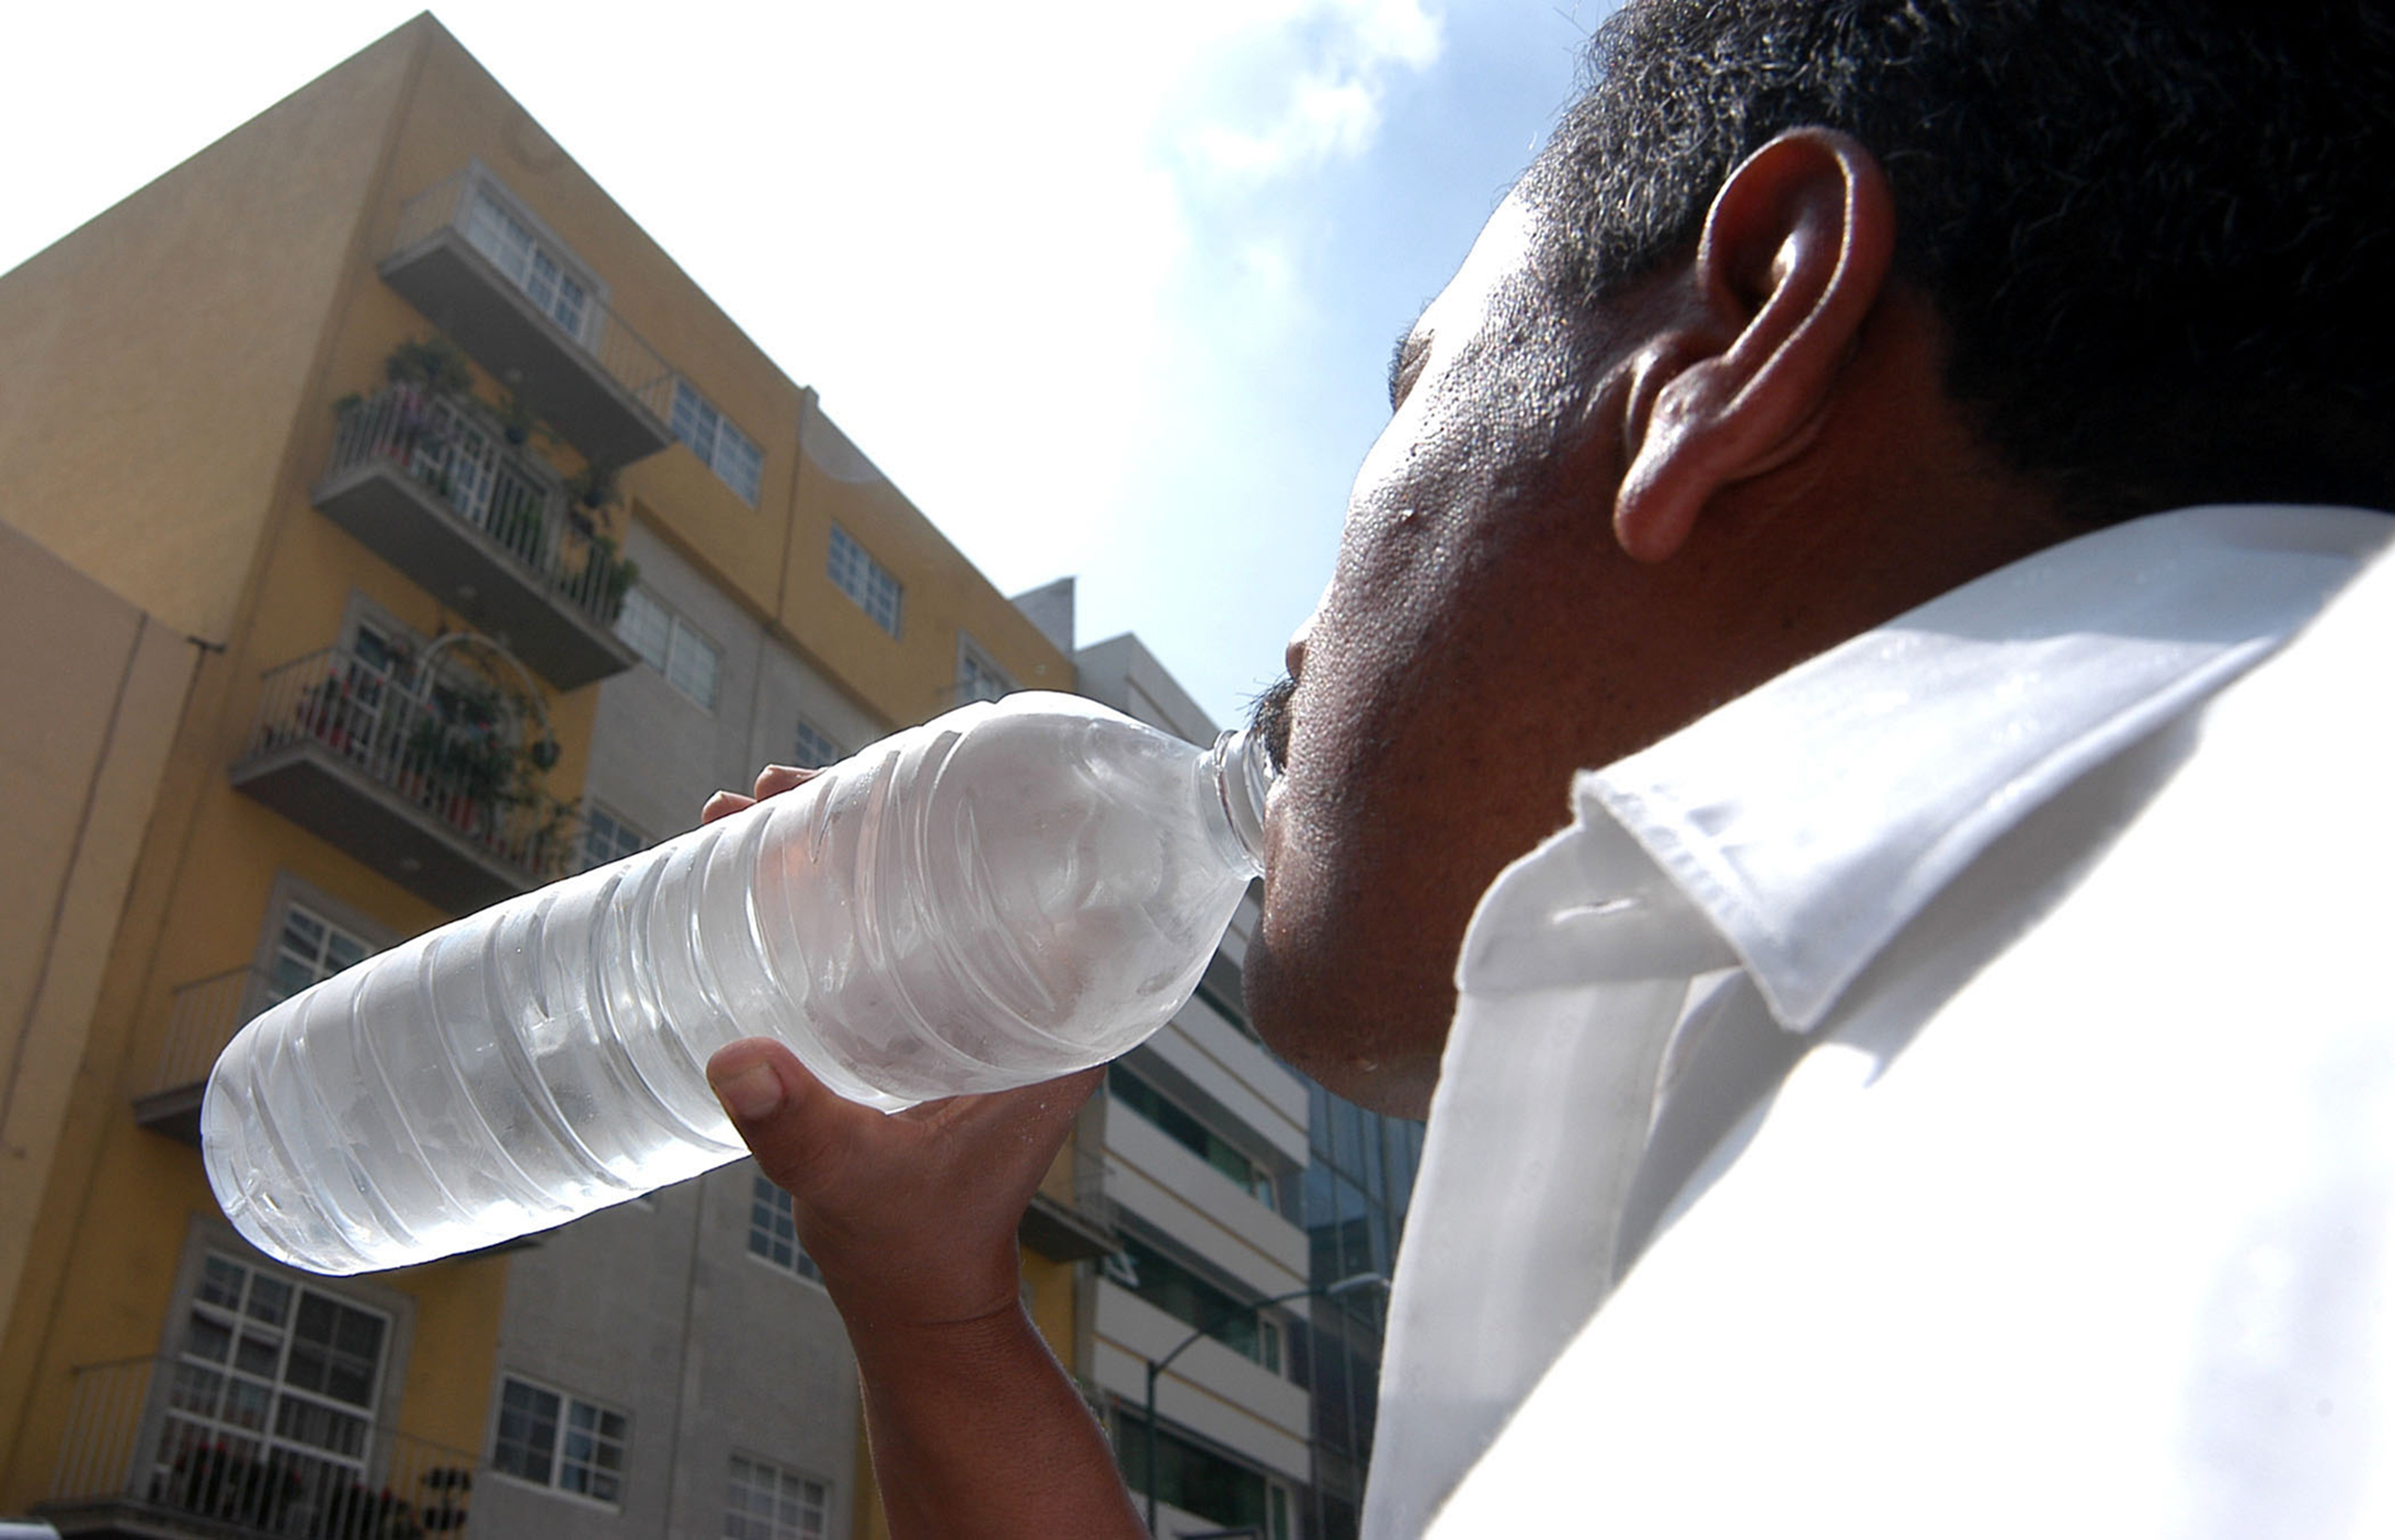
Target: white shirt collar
(1794,833)
(1895,759)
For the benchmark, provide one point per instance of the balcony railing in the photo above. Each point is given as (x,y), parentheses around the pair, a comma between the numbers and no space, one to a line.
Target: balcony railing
(207,1013)
(431,795)
(130,1463)
(431,486)
(465,257)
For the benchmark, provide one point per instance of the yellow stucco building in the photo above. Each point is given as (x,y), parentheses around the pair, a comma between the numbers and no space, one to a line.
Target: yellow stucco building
(347,465)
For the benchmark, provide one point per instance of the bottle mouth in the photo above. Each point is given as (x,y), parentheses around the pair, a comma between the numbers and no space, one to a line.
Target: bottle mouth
(1243,779)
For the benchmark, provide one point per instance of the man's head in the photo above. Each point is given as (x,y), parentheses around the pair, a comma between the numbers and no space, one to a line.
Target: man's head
(1810,312)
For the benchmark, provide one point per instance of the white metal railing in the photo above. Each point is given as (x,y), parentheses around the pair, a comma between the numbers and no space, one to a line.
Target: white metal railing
(466,202)
(451,756)
(124,1444)
(448,448)
(208,1012)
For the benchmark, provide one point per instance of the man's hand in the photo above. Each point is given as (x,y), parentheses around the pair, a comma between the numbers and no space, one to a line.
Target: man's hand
(911,1218)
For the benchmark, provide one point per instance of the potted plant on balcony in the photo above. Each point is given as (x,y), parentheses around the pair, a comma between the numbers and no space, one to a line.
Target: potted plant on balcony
(595,495)
(518,421)
(605,576)
(432,364)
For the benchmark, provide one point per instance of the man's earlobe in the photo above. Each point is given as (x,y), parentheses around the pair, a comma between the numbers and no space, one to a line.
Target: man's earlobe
(1794,256)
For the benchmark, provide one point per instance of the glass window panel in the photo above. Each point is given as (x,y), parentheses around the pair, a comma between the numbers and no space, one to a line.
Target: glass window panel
(204,1336)
(245,1404)
(813,747)
(527,1442)
(256,1355)
(194,1389)
(269,1301)
(645,627)
(692,665)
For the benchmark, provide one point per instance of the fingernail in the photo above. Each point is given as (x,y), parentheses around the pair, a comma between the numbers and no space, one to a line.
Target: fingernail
(755,1092)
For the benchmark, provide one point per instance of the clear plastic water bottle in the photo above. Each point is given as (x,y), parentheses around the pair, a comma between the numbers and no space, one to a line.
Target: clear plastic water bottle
(1009,893)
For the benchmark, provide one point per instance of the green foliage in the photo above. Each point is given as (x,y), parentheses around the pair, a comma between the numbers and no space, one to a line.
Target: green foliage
(433,365)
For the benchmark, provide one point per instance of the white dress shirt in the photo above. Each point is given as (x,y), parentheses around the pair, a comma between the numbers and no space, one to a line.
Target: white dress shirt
(1963,1071)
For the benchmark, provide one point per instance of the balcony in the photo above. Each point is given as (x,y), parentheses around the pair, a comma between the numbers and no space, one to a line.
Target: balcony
(132,1463)
(426,789)
(464,259)
(429,485)
(208,1012)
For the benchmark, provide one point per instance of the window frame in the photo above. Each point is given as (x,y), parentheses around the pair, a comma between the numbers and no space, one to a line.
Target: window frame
(825,750)
(270,1440)
(596,813)
(781,1473)
(771,1225)
(680,633)
(724,441)
(542,240)
(872,578)
(973,659)
(568,1402)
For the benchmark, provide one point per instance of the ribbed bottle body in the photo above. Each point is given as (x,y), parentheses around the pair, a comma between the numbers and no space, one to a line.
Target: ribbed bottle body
(1002,895)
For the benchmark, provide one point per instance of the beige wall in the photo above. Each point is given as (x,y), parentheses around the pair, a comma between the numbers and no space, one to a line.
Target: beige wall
(92,696)
(155,356)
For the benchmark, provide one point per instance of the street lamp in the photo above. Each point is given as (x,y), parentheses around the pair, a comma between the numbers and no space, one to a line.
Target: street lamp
(1157,1366)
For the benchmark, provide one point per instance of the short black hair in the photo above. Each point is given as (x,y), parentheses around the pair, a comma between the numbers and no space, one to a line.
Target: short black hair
(2161,232)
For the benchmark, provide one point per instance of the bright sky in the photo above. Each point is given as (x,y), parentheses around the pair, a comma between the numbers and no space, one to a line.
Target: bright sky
(1109,289)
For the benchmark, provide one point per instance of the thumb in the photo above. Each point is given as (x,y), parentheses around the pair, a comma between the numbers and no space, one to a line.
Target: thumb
(787,1118)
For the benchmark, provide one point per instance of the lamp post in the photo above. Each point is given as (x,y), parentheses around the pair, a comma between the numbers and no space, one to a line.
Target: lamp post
(1157,1366)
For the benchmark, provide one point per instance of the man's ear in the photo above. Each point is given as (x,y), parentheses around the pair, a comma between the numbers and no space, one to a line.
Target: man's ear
(1794,252)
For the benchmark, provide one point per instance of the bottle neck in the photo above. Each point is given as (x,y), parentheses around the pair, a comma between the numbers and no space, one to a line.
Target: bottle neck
(1233,778)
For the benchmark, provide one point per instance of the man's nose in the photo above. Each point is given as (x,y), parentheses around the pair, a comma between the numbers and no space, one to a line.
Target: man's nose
(1294,656)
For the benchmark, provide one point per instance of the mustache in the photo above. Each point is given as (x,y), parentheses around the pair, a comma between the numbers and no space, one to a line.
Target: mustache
(1267,721)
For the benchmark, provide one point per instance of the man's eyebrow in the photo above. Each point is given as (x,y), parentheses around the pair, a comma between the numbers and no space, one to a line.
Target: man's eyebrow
(1402,355)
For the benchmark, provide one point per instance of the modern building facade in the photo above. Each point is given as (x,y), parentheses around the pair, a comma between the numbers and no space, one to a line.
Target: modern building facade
(392,527)
(1204,1134)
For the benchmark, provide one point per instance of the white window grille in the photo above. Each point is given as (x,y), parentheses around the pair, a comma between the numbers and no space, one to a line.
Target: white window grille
(978,677)
(812,748)
(561,1441)
(311,949)
(607,838)
(855,573)
(767,1503)
(773,1233)
(732,456)
(271,1376)
(546,276)
(691,662)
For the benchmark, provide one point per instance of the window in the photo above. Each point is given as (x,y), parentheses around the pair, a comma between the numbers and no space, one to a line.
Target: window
(273,1382)
(773,1233)
(858,575)
(556,1440)
(531,263)
(671,645)
(607,838)
(766,1502)
(1198,1480)
(1179,1292)
(813,748)
(732,456)
(978,677)
(310,950)
(1131,1091)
